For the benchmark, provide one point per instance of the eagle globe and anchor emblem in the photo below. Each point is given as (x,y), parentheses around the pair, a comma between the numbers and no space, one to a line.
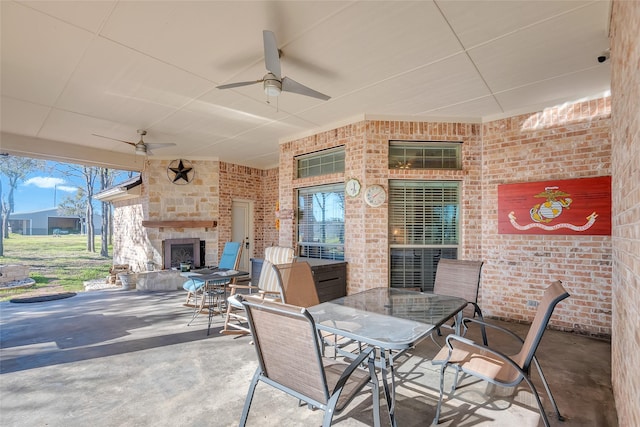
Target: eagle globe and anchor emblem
(542,214)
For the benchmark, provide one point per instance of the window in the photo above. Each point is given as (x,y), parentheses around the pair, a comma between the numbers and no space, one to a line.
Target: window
(321,162)
(423,227)
(425,155)
(321,222)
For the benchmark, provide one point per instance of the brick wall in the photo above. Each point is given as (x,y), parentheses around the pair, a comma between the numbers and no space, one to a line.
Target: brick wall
(570,141)
(366,158)
(625,92)
(261,189)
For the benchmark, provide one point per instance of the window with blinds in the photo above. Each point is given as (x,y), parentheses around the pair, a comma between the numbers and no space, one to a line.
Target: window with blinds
(321,162)
(320,223)
(423,227)
(425,155)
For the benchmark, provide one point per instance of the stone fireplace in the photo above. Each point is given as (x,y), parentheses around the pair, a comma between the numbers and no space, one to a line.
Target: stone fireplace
(177,251)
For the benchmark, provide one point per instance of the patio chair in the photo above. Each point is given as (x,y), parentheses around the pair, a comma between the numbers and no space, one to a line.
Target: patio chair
(298,286)
(290,359)
(195,287)
(495,367)
(460,278)
(268,287)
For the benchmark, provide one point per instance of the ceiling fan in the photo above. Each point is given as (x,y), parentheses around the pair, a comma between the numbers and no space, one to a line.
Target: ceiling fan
(141,147)
(273,82)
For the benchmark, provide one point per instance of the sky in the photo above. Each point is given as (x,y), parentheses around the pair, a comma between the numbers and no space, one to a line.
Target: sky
(46,190)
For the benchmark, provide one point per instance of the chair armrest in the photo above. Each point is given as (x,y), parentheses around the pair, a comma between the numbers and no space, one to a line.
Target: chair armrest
(481,348)
(249,286)
(364,354)
(489,325)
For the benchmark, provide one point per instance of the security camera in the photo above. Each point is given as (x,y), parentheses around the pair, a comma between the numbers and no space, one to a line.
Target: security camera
(602,58)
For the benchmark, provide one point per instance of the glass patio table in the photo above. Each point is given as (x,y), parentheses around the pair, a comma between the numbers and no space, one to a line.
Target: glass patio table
(391,319)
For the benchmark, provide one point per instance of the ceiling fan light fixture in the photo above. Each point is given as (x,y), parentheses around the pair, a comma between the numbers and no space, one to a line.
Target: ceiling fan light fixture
(141,149)
(272,86)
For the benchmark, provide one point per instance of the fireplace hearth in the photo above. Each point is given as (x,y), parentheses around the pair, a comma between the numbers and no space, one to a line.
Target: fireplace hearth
(182,251)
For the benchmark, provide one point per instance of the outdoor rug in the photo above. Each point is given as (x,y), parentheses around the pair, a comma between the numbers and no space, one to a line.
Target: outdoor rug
(44,298)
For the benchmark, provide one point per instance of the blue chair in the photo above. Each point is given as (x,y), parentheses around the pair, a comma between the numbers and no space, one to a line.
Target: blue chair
(229,260)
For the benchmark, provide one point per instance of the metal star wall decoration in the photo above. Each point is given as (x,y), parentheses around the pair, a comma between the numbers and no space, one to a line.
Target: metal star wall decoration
(180,171)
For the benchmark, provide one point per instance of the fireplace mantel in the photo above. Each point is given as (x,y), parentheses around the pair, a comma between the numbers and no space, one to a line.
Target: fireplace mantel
(180,224)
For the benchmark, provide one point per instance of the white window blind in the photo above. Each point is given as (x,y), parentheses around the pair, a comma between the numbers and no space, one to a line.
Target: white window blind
(423,226)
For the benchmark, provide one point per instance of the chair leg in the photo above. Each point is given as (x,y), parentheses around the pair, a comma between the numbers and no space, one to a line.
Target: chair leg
(375,390)
(436,420)
(546,387)
(247,401)
(543,414)
(330,410)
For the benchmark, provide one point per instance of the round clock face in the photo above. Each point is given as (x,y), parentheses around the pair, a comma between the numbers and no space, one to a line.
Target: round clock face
(375,195)
(352,187)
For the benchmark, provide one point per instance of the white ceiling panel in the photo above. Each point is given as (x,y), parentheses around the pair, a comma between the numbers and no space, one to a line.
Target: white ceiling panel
(21,117)
(555,91)
(562,45)
(72,69)
(38,54)
(116,83)
(88,15)
(477,22)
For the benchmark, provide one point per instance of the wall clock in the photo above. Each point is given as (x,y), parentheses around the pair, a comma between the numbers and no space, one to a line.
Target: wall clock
(180,172)
(375,195)
(352,187)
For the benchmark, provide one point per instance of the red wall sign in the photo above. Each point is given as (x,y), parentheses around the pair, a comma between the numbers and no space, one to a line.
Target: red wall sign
(572,206)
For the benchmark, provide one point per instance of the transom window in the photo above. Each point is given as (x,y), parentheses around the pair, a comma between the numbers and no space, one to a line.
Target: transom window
(423,227)
(320,222)
(425,155)
(321,162)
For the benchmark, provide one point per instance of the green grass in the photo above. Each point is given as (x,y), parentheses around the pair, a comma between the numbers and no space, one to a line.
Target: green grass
(61,263)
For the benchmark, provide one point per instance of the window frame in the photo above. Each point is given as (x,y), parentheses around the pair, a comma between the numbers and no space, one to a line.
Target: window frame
(325,162)
(321,249)
(425,156)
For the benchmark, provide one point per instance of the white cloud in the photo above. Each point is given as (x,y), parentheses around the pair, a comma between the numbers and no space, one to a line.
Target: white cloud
(50,182)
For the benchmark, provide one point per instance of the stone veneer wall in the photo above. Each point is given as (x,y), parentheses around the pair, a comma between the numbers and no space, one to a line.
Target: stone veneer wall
(366,158)
(163,200)
(208,197)
(558,143)
(625,92)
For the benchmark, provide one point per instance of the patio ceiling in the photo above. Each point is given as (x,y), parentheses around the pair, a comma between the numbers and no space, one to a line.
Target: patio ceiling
(73,69)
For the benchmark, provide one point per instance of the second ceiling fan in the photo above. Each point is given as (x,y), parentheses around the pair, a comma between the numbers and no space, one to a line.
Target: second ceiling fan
(273,82)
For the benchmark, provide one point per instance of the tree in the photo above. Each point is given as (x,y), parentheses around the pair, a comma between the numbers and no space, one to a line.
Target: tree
(16,170)
(106,181)
(89,174)
(74,205)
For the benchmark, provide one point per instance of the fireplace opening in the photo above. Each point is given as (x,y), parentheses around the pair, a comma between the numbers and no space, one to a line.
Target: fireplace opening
(178,251)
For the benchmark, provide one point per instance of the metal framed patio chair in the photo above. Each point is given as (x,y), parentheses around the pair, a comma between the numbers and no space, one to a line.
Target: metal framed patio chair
(268,287)
(496,367)
(197,289)
(297,284)
(460,278)
(290,359)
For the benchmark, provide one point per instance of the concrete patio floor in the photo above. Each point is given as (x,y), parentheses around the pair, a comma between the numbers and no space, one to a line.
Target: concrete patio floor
(128,358)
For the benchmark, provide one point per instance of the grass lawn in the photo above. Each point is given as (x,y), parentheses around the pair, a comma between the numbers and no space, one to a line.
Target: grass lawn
(57,264)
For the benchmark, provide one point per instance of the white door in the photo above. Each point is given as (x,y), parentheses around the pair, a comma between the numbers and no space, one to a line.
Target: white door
(241,230)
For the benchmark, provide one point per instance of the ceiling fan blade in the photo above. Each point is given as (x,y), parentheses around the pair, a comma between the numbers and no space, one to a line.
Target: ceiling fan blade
(238,84)
(271,54)
(290,85)
(158,145)
(114,139)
